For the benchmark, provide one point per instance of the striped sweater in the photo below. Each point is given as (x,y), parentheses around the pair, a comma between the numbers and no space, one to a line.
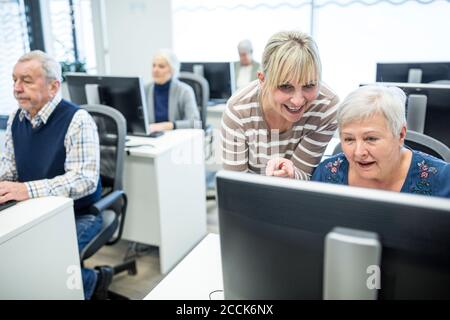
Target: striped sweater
(248,144)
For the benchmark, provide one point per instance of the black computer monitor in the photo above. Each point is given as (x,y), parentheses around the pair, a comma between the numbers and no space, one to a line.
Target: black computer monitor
(437,116)
(220,76)
(125,94)
(420,72)
(273,231)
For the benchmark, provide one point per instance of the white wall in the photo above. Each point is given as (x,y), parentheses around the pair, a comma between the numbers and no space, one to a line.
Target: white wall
(135,29)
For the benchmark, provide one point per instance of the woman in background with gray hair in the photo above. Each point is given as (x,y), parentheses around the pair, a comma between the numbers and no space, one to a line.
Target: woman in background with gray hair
(171,103)
(372,128)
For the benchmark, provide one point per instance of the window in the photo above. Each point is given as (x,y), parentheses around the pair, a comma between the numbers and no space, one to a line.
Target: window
(13,43)
(352,35)
(72,36)
(211,30)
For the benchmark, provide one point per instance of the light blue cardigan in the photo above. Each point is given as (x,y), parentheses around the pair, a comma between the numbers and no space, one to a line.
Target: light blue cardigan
(183,109)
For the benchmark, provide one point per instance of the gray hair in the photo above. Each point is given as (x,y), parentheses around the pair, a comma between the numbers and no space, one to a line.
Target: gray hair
(369,100)
(245,46)
(50,67)
(171,59)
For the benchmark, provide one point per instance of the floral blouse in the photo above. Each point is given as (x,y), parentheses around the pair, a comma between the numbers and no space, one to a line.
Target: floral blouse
(427,175)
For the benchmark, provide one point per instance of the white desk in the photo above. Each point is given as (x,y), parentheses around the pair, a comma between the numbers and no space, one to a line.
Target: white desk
(196,276)
(165,185)
(39,251)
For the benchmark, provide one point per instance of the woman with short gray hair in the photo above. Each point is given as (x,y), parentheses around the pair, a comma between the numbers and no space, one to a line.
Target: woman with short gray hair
(171,103)
(372,128)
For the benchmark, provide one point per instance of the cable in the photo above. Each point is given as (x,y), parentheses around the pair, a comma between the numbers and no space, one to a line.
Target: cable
(214,292)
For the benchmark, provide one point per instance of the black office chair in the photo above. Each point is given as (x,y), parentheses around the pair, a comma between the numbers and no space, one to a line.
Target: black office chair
(201,91)
(113,205)
(420,142)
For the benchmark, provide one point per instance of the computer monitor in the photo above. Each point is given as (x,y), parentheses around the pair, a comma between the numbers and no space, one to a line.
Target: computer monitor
(125,94)
(420,72)
(437,100)
(273,232)
(220,76)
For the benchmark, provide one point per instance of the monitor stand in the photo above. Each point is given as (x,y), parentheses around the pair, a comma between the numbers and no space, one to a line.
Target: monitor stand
(357,278)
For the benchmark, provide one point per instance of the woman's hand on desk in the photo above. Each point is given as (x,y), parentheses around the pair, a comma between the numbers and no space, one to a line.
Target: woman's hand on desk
(161,126)
(13,191)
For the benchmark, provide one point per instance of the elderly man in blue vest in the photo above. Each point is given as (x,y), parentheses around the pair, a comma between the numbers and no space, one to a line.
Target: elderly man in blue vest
(52,149)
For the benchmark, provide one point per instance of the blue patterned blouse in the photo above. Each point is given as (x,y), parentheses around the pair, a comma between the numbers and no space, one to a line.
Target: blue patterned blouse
(427,175)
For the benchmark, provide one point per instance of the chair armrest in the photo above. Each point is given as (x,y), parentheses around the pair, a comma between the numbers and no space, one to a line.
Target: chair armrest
(107,201)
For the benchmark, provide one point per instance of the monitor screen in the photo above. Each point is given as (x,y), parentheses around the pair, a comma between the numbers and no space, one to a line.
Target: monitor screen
(273,231)
(125,94)
(437,116)
(220,76)
(421,72)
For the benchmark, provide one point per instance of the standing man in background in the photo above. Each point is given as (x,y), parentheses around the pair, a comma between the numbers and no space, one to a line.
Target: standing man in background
(245,70)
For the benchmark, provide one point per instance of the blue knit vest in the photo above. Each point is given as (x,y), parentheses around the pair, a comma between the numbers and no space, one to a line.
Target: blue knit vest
(40,152)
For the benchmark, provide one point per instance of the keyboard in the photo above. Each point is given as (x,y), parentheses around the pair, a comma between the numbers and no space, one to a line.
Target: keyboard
(7,204)
(153,134)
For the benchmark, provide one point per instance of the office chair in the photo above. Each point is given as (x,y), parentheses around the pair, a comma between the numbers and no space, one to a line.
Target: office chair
(420,142)
(201,91)
(113,205)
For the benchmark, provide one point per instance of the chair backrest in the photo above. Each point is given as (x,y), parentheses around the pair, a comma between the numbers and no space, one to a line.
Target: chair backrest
(112,128)
(201,91)
(416,114)
(420,142)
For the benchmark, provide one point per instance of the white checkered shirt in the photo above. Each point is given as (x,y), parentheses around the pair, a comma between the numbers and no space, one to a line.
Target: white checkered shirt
(82,165)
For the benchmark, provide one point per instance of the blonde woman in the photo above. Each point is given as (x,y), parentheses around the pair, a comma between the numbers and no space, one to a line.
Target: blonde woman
(280,124)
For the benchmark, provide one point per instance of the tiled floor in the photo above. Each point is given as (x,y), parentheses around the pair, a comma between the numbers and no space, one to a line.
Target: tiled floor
(138,286)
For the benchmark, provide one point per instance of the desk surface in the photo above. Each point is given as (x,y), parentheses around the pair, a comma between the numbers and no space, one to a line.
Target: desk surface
(196,277)
(151,147)
(29,213)
(218,108)
(38,244)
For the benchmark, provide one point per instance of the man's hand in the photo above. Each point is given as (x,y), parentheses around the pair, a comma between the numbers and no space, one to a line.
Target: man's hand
(280,167)
(13,191)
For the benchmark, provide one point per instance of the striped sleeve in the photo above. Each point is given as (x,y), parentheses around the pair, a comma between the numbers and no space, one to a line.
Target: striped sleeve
(234,143)
(311,147)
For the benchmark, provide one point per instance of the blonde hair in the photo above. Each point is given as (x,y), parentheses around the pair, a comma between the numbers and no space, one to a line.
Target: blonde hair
(291,56)
(367,101)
